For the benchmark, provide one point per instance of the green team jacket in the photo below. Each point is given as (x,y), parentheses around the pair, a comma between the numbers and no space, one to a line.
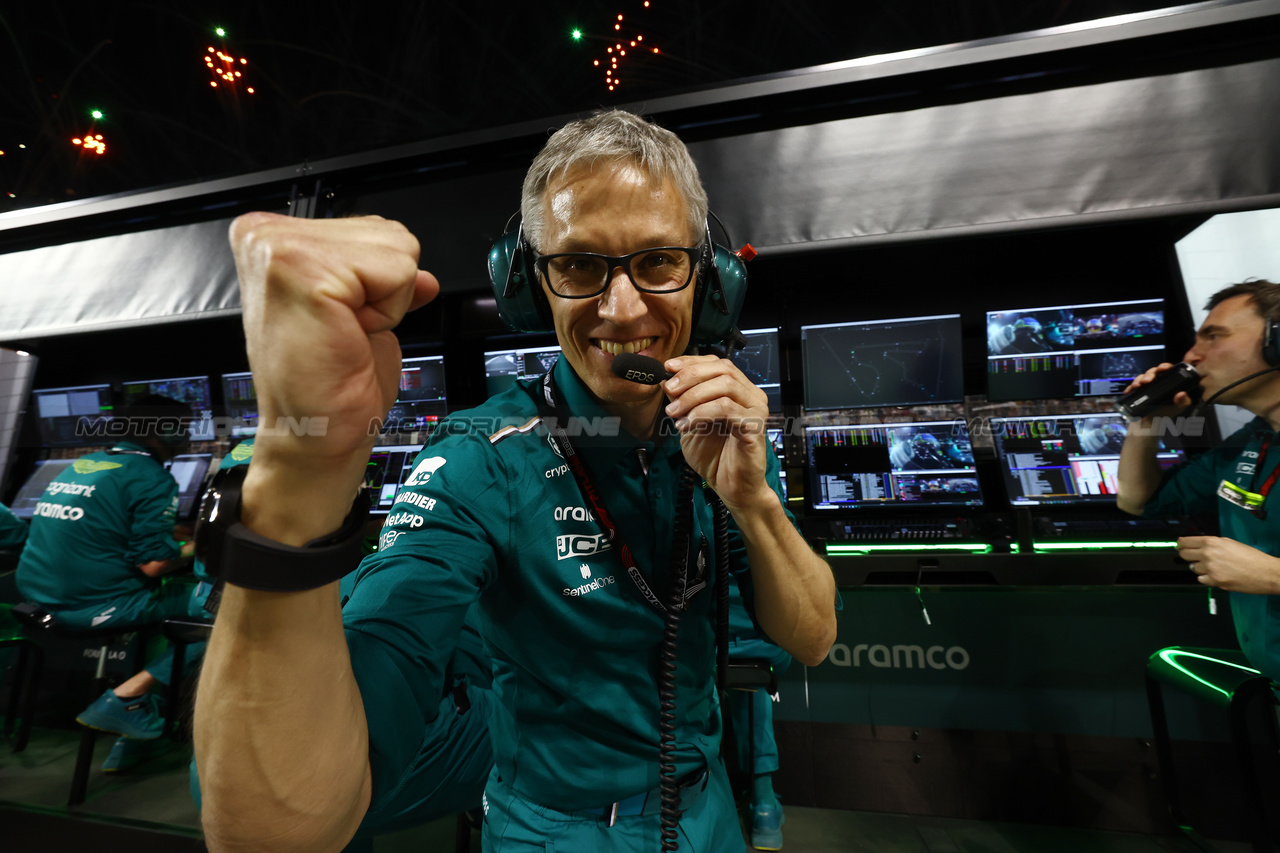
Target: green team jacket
(13,530)
(241,454)
(492,511)
(1193,488)
(101,518)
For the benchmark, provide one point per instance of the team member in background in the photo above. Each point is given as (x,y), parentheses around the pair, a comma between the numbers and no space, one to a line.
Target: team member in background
(1234,478)
(493,511)
(13,530)
(102,536)
(751,715)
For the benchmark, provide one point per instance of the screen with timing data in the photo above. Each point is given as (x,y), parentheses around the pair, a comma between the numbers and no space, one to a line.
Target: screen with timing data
(1065,460)
(195,391)
(1072,350)
(903,465)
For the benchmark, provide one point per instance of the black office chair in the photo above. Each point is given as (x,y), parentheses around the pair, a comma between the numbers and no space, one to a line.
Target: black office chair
(180,632)
(17,723)
(1224,679)
(38,625)
(750,675)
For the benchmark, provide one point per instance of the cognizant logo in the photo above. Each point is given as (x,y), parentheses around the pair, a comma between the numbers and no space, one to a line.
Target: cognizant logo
(900,657)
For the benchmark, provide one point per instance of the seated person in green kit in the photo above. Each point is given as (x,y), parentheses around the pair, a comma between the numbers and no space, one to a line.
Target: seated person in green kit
(101,539)
(1236,357)
(553,506)
(13,530)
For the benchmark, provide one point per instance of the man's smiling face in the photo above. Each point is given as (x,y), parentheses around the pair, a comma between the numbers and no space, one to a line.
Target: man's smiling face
(615,209)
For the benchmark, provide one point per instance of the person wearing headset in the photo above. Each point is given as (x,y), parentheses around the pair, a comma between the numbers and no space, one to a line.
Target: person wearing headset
(553,505)
(102,537)
(1234,478)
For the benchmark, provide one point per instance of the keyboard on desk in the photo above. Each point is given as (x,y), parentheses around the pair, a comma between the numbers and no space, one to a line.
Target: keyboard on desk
(902,530)
(1108,529)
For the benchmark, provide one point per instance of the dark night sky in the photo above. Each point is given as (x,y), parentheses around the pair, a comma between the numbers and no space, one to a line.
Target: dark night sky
(342,77)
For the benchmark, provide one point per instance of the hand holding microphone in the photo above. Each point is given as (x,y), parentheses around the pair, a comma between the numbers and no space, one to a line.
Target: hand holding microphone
(1164,389)
(1171,387)
(721,416)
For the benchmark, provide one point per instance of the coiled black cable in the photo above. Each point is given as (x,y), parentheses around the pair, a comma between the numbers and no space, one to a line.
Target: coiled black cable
(670,810)
(721,533)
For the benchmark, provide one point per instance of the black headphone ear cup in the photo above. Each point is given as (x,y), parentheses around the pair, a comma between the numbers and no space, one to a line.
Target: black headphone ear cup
(514,280)
(1271,343)
(722,288)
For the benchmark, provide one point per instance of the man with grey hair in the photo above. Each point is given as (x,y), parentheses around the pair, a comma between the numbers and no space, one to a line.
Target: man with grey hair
(565,538)
(1236,354)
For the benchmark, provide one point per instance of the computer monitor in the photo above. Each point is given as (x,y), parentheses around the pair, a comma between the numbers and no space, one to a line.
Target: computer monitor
(240,401)
(761,361)
(1072,350)
(857,466)
(195,391)
(904,362)
(421,402)
(1065,460)
(24,502)
(503,367)
(388,468)
(189,470)
(70,417)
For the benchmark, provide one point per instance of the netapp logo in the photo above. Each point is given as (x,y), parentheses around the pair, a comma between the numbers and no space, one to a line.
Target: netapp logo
(574,513)
(900,657)
(580,546)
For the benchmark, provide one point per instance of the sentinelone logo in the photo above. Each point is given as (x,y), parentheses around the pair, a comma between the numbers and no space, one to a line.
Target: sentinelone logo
(900,657)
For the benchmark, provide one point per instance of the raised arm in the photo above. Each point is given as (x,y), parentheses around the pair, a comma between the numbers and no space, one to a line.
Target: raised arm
(1138,475)
(722,419)
(280,734)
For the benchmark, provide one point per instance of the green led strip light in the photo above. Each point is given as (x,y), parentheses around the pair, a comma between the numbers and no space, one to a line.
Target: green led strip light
(866,549)
(1168,655)
(1098,546)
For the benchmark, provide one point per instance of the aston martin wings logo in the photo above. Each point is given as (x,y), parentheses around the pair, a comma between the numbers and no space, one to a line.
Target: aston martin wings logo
(89,466)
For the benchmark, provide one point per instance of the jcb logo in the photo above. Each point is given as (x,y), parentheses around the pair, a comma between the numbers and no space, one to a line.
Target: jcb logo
(580,546)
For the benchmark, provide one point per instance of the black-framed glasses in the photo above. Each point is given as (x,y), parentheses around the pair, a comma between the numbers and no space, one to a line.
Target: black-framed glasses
(581,275)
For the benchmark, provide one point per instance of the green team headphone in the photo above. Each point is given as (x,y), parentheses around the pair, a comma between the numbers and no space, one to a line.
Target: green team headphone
(718,292)
(1271,343)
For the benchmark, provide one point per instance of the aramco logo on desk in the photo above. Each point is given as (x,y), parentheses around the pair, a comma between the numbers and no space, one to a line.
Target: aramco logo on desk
(900,657)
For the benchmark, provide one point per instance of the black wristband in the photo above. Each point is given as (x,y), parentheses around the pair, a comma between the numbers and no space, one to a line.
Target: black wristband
(235,554)
(256,562)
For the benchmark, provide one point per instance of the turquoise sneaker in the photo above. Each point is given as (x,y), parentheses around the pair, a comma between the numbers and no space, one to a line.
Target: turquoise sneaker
(137,718)
(766,827)
(127,753)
